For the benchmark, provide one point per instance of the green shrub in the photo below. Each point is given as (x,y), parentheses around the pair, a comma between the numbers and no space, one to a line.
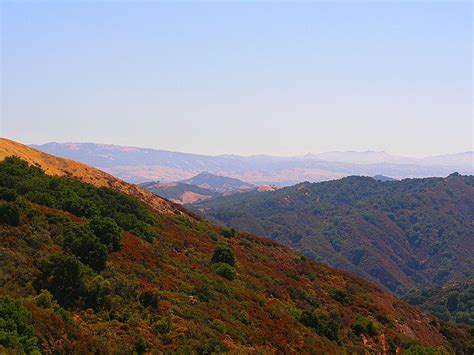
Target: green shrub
(7,194)
(80,241)
(62,275)
(162,326)
(107,231)
(10,213)
(96,291)
(42,198)
(16,331)
(366,326)
(223,254)
(228,233)
(150,299)
(58,219)
(224,270)
(322,324)
(340,295)
(417,349)
(203,292)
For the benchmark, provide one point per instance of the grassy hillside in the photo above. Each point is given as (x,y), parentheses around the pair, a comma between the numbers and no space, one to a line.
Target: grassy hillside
(53,165)
(87,269)
(402,234)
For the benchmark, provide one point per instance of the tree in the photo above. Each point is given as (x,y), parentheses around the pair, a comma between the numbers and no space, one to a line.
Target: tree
(107,231)
(225,270)
(16,331)
(10,213)
(62,275)
(322,324)
(452,302)
(223,254)
(80,241)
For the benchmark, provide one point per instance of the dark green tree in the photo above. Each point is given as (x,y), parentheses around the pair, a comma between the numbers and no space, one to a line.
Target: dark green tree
(10,213)
(107,231)
(62,275)
(80,241)
(223,254)
(16,331)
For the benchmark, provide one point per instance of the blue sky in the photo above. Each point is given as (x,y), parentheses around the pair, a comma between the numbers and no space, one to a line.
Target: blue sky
(240,77)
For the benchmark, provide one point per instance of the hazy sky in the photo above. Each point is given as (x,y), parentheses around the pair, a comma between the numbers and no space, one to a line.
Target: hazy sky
(240,77)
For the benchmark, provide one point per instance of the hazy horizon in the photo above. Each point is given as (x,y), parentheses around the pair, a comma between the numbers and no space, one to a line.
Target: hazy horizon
(249,155)
(281,79)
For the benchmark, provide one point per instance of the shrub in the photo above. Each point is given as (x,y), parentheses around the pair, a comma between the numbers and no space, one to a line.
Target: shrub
(16,331)
(162,326)
(417,349)
(340,295)
(228,233)
(223,254)
(107,231)
(58,219)
(150,299)
(10,213)
(80,241)
(203,292)
(62,275)
(366,326)
(41,198)
(224,270)
(321,324)
(97,289)
(7,194)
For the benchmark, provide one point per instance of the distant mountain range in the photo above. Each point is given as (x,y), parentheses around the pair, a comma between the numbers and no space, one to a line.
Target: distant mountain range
(401,234)
(141,164)
(200,187)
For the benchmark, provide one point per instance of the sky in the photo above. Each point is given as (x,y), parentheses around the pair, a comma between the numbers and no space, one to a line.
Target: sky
(253,77)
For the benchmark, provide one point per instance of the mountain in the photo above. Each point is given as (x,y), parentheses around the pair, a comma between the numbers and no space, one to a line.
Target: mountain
(200,187)
(383,178)
(180,192)
(90,269)
(401,234)
(142,164)
(220,184)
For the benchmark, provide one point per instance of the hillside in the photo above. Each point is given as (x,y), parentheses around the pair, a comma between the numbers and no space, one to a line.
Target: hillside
(451,302)
(198,188)
(180,192)
(53,165)
(144,164)
(87,269)
(221,184)
(401,234)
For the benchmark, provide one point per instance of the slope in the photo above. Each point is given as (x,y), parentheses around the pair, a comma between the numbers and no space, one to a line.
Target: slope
(53,165)
(171,283)
(218,183)
(179,192)
(402,234)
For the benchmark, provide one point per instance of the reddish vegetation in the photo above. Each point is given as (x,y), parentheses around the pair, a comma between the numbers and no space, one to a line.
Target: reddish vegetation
(166,296)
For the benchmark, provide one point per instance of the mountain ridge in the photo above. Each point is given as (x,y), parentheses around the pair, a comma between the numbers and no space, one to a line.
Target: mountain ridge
(401,234)
(144,164)
(65,167)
